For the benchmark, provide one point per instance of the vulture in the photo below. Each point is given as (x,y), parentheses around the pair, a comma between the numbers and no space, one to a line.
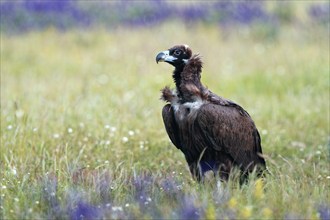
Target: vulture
(214,133)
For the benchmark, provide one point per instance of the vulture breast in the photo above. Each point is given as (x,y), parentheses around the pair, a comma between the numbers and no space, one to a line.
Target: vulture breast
(187,110)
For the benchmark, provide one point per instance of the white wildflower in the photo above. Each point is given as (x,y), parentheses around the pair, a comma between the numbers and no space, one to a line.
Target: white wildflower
(117,208)
(70,130)
(14,171)
(19,113)
(9,127)
(56,135)
(124,139)
(264,132)
(131,133)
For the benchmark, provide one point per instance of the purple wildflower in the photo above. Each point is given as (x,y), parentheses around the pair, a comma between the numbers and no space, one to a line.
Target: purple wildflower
(65,14)
(240,12)
(145,14)
(7,7)
(324,212)
(29,15)
(320,12)
(171,188)
(142,188)
(47,6)
(84,210)
(292,216)
(188,210)
(50,196)
(247,12)
(104,187)
(195,13)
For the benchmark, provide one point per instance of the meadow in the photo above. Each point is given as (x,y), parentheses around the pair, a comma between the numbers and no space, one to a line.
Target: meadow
(82,135)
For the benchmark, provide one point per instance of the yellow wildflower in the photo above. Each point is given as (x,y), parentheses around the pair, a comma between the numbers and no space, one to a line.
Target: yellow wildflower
(246,212)
(210,212)
(315,216)
(232,203)
(259,189)
(267,212)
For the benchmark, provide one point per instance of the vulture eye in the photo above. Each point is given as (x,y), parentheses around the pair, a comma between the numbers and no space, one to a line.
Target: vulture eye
(177,52)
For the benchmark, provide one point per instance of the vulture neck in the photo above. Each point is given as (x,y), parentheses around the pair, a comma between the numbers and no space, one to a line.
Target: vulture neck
(177,76)
(187,79)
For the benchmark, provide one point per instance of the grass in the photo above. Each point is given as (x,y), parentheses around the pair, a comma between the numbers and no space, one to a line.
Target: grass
(82,134)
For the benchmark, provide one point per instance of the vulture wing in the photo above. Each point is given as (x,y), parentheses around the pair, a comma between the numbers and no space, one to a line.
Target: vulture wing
(227,127)
(170,125)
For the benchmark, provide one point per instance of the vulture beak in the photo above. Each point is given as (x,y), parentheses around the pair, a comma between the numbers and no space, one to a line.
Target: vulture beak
(164,56)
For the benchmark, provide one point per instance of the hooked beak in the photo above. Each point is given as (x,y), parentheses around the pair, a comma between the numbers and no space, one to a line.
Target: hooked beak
(160,57)
(165,56)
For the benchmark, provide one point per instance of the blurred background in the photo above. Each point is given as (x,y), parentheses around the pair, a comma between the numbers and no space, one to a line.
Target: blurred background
(94,52)
(270,16)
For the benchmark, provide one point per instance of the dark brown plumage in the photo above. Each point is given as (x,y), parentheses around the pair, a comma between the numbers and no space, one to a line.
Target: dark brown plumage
(213,133)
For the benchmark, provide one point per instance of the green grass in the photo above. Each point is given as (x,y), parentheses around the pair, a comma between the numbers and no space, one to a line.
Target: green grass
(79,107)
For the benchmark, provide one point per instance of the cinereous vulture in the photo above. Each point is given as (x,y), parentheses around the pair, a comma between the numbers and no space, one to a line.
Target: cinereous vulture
(214,133)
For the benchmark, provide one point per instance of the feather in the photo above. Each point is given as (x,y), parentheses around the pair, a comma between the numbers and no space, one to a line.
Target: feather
(170,125)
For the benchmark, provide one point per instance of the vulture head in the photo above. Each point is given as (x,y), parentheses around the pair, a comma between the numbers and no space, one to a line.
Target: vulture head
(176,56)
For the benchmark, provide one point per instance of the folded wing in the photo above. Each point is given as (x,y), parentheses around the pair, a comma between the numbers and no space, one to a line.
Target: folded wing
(226,128)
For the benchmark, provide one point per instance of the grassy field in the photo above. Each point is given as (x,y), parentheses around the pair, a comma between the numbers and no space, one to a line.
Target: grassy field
(82,135)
